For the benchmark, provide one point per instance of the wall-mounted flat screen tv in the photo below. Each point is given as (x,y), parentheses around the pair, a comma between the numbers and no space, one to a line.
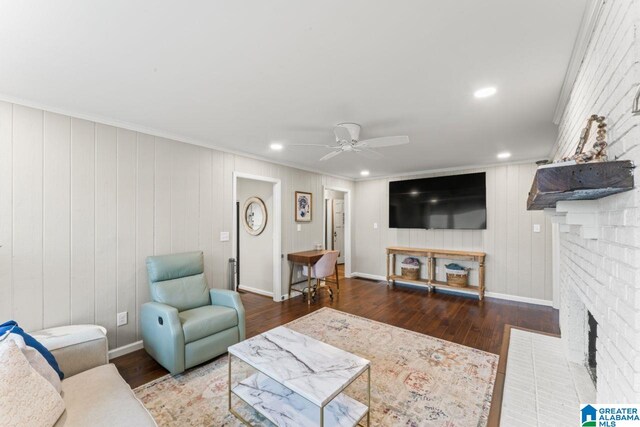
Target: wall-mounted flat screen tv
(444,202)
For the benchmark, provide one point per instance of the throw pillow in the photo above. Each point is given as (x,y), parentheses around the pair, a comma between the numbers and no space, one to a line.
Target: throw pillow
(27,398)
(36,360)
(12,326)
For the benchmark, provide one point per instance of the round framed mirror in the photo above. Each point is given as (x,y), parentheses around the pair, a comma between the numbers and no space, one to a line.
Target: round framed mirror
(255,216)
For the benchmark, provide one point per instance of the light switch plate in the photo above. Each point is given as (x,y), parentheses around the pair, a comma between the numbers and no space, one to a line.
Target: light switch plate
(375,225)
(224,236)
(299,227)
(536,228)
(122,319)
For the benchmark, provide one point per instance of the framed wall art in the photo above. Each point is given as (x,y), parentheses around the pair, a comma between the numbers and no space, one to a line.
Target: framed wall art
(304,206)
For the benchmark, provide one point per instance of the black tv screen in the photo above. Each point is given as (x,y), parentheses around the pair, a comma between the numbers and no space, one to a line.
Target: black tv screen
(444,202)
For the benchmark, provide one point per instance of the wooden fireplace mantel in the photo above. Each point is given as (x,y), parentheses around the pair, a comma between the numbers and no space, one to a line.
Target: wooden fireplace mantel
(432,255)
(585,181)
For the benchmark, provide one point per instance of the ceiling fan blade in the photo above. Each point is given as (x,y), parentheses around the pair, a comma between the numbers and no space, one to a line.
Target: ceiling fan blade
(371,154)
(312,145)
(342,133)
(330,155)
(385,141)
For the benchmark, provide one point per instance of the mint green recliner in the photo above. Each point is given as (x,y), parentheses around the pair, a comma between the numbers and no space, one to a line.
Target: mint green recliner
(187,323)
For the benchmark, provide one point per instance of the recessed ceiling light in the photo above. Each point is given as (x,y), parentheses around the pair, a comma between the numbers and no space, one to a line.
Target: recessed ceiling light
(504,155)
(364,173)
(276,146)
(485,92)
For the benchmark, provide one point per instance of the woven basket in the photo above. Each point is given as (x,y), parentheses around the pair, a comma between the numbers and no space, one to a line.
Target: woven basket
(457,278)
(411,273)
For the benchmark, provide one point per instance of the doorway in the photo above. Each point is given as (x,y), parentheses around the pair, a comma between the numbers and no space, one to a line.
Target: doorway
(336,226)
(257,246)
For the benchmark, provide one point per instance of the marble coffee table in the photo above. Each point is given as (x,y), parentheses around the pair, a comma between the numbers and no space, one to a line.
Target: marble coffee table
(299,380)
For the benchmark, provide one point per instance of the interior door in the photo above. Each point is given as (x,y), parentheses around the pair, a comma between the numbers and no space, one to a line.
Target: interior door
(328,217)
(338,228)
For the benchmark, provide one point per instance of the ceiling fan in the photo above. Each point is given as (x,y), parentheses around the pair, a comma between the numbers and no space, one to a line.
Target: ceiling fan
(348,140)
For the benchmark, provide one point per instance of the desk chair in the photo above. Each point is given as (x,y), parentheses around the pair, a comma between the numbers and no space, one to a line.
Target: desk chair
(326,267)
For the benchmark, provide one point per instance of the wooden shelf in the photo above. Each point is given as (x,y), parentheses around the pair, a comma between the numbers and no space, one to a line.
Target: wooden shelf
(586,181)
(424,282)
(434,283)
(444,285)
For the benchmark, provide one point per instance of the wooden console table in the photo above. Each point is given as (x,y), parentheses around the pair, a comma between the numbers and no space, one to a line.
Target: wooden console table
(432,255)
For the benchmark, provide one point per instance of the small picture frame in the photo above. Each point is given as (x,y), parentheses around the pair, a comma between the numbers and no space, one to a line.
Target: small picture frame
(303,206)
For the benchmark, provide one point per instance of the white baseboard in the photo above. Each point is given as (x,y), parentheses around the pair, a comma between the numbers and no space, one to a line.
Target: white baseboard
(125,349)
(519,298)
(368,276)
(255,291)
(462,291)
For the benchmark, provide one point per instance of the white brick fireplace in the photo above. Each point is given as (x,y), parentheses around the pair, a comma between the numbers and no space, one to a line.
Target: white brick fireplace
(591,282)
(599,271)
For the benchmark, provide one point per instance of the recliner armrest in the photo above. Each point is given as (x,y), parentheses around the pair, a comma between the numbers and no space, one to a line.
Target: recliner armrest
(231,299)
(162,335)
(77,348)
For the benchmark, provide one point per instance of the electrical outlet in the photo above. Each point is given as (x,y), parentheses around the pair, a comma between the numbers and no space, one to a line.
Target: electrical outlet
(122,318)
(536,228)
(299,227)
(375,225)
(224,236)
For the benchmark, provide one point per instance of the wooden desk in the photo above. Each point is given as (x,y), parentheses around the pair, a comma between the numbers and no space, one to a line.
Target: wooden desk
(308,258)
(432,255)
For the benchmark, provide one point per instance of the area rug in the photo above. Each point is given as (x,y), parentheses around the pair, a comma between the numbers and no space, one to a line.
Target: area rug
(417,380)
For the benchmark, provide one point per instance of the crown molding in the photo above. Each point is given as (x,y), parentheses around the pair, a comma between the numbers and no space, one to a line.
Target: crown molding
(159,133)
(201,143)
(463,168)
(590,16)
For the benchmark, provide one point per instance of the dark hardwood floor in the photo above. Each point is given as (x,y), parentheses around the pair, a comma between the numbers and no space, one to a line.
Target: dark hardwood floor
(459,319)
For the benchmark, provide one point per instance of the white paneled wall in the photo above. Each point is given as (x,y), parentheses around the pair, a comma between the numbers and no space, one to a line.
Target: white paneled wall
(82,248)
(83,204)
(6,208)
(57,211)
(518,260)
(27,216)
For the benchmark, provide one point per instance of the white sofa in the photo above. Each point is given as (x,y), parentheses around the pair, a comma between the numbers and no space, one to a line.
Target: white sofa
(93,391)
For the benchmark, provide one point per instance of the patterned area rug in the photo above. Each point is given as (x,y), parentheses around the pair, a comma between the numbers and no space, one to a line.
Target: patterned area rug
(417,380)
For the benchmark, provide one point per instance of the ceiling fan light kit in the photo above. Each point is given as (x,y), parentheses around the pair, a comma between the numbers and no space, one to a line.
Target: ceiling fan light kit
(353,130)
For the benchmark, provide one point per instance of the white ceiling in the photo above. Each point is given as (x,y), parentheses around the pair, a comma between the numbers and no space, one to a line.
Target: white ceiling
(241,74)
